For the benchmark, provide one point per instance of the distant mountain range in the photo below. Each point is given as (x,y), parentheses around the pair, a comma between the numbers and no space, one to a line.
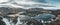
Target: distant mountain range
(6,10)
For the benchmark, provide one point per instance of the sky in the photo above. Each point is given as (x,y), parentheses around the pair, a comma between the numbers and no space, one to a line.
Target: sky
(28,2)
(54,2)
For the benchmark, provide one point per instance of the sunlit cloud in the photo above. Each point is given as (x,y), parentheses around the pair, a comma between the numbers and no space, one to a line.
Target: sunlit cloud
(3,1)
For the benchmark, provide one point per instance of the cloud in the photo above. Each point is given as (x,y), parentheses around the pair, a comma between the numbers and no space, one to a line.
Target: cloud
(54,2)
(28,3)
(2,1)
(32,3)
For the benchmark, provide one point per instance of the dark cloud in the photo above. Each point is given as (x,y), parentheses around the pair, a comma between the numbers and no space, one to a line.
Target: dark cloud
(40,1)
(55,0)
(43,1)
